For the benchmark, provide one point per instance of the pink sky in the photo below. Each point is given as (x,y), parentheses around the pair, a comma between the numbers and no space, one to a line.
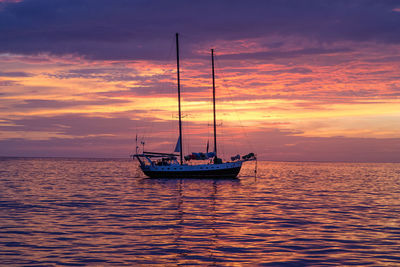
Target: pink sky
(284,95)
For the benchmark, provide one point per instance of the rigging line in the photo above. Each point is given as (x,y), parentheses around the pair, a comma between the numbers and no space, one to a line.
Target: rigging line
(223,133)
(171,90)
(235,110)
(208,124)
(221,126)
(188,40)
(171,48)
(187,127)
(232,138)
(147,131)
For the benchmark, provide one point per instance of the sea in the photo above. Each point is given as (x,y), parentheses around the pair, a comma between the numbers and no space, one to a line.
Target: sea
(105,212)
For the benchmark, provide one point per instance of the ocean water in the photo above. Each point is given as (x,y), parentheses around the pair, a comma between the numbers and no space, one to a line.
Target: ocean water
(79,212)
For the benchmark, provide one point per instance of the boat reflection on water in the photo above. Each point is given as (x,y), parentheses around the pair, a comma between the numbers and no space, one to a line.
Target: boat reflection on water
(197,217)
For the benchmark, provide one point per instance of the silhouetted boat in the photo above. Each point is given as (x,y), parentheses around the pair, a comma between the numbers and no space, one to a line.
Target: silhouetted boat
(166,165)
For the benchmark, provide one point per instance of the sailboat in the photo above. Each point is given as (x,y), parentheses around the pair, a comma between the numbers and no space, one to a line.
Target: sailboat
(166,165)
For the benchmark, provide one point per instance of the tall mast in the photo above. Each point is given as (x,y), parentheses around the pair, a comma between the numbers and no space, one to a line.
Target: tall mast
(215,123)
(179,99)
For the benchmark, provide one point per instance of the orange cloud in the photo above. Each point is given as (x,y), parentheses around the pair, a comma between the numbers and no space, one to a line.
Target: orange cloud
(299,93)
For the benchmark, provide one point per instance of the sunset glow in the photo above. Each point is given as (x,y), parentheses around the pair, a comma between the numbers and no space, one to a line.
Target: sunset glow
(74,85)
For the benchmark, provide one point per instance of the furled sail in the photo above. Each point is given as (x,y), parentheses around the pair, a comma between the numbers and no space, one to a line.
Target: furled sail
(178,145)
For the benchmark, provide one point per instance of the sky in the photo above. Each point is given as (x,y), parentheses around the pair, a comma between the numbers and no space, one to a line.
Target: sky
(295,80)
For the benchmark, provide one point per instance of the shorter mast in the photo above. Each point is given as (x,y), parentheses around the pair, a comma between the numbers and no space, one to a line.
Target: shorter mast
(179,100)
(215,122)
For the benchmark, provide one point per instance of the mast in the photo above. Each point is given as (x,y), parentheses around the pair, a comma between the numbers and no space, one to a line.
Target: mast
(215,123)
(179,99)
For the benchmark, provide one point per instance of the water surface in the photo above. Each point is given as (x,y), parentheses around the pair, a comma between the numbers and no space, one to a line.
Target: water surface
(78,212)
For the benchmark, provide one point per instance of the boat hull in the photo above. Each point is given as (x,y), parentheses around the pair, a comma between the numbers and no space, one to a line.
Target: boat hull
(215,171)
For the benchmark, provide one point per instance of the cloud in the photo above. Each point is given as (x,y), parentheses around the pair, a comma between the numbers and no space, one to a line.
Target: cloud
(270,55)
(76,125)
(289,146)
(83,136)
(7,83)
(43,103)
(72,70)
(18,74)
(276,145)
(299,70)
(94,147)
(106,74)
(143,29)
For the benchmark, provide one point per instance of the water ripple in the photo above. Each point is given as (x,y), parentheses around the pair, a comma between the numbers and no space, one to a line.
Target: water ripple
(79,212)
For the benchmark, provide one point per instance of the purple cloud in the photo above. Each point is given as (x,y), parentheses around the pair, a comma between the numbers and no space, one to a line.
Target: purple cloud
(277,145)
(17,74)
(283,54)
(143,29)
(43,103)
(74,124)
(299,70)
(7,83)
